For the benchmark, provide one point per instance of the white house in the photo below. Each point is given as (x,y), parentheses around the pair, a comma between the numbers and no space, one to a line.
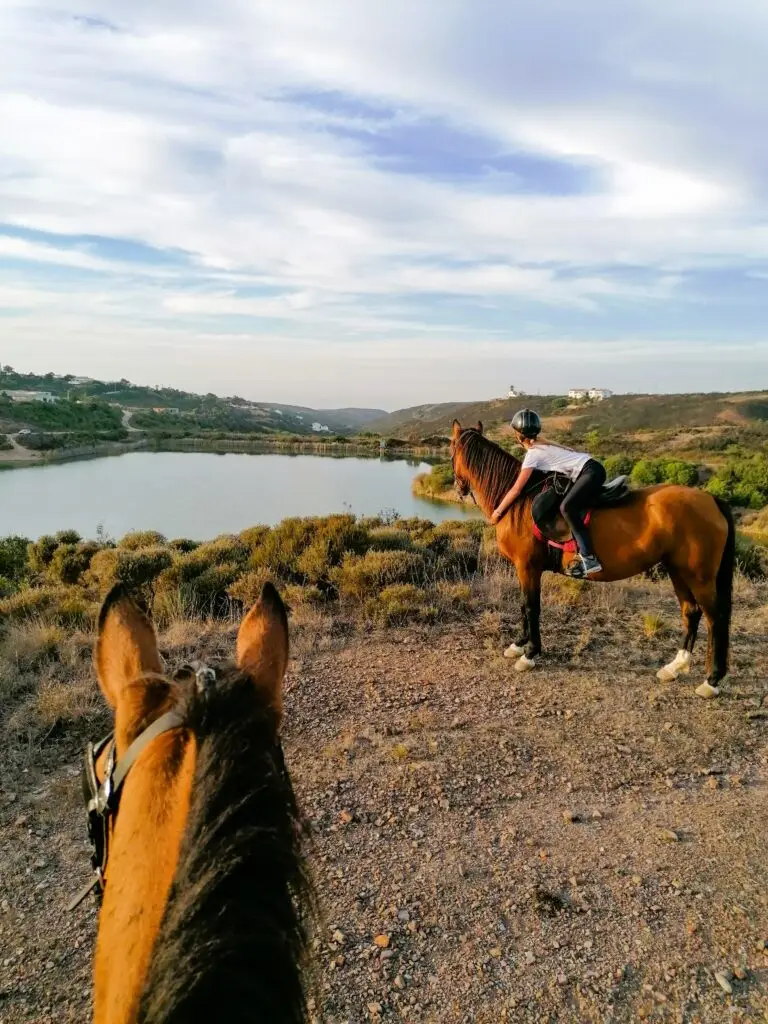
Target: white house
(32,396)
(594,394)
(80,381)
(578,394)
(319,428)
(515,392)
(599,394)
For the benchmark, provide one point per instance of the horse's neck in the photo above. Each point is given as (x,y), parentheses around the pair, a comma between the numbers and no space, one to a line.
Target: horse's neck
(488,502)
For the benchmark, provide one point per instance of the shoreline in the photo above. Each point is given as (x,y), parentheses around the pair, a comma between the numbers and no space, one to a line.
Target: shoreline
(24,458)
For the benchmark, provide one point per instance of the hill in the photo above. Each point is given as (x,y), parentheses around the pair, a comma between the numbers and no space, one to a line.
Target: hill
(227,413)
(620,413)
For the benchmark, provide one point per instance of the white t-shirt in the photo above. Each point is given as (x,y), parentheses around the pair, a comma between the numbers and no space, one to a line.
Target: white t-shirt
(551,458)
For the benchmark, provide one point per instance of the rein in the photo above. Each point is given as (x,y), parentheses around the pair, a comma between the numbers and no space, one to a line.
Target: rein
(102,799)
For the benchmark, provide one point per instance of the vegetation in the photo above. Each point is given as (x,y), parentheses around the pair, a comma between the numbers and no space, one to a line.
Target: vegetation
(91,417)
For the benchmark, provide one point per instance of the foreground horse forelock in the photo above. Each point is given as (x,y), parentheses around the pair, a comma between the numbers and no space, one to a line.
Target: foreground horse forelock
(205,893)
(688,531)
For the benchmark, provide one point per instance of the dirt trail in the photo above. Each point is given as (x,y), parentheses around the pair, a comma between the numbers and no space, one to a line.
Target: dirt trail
(580,844)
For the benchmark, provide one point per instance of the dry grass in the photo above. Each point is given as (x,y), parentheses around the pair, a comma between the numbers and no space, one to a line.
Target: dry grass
(653,624)
(31,644)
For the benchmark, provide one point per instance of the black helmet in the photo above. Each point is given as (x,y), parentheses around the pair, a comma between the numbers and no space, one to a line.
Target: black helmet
(527,423)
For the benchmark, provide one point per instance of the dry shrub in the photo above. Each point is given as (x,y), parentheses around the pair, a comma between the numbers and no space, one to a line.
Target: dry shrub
(565,591)
(253,536)
(456,597)
(123,565)
(363,576)
(68,606)
(389,538)
(137,539)
(70,562)
(653,625)
(247,588)
(65,703)
(400,603)
(30,644)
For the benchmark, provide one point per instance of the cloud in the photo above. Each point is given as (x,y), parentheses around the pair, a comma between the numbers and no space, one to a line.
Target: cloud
(380,171)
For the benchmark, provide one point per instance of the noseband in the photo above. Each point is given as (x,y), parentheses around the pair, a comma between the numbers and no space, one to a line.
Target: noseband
(102,799)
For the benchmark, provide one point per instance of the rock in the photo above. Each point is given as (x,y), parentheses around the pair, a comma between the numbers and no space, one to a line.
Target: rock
(398,982)
(668,835)
(345,817)
(530,959)
(712,782)
(382,941)
(386,954)
(571,816)
(374,1009)
(338,936)
(740,973)
(495,952)
(403,915)
(722,980)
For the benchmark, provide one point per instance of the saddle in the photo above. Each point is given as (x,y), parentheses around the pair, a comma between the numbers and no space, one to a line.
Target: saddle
(549,525)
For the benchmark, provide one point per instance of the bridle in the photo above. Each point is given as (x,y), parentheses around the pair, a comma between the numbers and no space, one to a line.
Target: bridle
(470,492)
(102,798)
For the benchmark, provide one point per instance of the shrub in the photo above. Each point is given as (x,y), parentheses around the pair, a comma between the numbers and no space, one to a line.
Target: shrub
(70,561)
(361,576)
(7,587)
(247,588)
(653,624)
(399,603)
(338,536)
(438,480)
(282,545)
(750,558)
(40,552)
(142,539)
(388,538)
(32,643)
(679,472)
(456,596)
(13,557)
(253,536)
(618,465)
(133,568)
(183,546)
(66,605)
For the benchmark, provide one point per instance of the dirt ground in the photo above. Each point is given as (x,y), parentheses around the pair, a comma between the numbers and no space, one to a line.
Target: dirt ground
(580,843)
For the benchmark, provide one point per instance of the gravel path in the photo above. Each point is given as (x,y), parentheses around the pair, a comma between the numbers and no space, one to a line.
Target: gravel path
(582,843)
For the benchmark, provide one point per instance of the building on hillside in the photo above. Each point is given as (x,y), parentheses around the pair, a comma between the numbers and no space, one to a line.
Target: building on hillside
(593,394)
(515,392)
(81,381)
(320,428)
(32,396)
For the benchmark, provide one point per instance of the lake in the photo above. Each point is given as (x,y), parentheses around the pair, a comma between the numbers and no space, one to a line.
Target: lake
(202,494)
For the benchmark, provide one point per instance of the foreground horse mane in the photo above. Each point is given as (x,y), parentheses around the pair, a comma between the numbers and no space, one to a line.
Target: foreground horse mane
(233,938)
(494,469)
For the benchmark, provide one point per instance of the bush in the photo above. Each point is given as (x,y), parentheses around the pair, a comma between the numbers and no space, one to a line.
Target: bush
(282,545)
(618,465)
(400,603)
(751,558)
(133,568)
(360,577)
(31,644)
(13,557)
(142,539)
(40,553)
(70,561)
(247,588)
(438,480)
(183,545)
(66,605)
(742,482)
(388,538)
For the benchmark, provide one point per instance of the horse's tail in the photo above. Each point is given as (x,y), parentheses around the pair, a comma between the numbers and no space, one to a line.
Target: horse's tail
(721,627)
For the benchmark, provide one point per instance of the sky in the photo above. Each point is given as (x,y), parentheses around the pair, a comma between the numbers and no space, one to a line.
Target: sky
(386,203)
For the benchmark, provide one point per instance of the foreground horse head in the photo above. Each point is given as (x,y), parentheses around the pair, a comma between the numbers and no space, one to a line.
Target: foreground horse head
(689,532)
(205,894)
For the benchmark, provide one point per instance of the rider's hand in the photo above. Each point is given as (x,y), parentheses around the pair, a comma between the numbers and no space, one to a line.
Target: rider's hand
(496,516)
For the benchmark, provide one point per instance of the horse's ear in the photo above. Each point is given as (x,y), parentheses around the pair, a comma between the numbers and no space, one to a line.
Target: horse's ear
(455,430)
(126,648)
(262,645)
(479,426)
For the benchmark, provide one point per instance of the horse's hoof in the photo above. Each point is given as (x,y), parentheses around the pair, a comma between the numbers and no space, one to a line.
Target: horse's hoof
(524,664)
(666,675)
(513,651)
(707,691)
(681,665)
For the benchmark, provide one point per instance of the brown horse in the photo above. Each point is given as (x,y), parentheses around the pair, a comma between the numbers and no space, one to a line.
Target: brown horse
(686,530)
(205,893)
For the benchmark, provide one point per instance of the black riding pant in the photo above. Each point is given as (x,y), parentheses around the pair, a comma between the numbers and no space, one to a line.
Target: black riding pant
(581,497)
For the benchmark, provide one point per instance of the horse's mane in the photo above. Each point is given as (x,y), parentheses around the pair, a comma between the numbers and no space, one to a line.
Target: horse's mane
(233,937)
(494,470)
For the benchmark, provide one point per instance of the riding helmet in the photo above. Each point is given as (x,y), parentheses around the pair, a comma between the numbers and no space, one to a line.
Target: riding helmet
(527,423)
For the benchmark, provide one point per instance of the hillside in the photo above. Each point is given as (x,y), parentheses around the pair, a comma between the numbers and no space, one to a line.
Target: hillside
(620,413)
(229,413)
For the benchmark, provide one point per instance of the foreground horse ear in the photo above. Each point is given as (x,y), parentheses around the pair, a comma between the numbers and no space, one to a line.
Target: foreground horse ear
(479,426)
(126,648)
(455,429)
(262,645)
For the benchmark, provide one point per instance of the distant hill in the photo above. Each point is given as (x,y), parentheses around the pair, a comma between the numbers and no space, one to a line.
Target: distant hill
(621,413)
(262,417)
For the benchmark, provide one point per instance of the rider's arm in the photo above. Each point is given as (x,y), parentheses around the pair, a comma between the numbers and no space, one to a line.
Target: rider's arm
(512,494)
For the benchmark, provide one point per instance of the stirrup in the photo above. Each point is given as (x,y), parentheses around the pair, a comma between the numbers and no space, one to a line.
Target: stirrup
(575,569)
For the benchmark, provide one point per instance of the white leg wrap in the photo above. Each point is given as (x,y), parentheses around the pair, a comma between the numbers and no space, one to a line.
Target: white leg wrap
(513,651)
(524,664)
(681,665)
(707,691)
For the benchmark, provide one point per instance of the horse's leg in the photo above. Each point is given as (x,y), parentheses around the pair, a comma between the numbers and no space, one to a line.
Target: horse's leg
(517,648)
(706,597)
(691,613)
(530,584)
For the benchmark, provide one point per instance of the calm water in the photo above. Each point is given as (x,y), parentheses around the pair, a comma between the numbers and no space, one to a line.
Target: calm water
(202,494)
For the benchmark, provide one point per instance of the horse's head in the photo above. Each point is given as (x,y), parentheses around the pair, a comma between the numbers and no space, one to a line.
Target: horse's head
(461,475)
(197,768)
